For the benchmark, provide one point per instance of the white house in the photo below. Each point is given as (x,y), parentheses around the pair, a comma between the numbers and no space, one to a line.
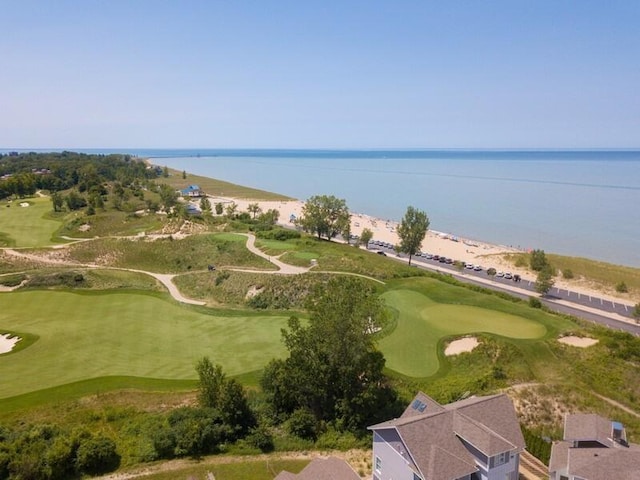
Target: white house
(474,439)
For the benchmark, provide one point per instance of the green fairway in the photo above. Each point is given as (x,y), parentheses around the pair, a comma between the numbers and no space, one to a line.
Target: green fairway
(25,226)
(411,349)
(95,335)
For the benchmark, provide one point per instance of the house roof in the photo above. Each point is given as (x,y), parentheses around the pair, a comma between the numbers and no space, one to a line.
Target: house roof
(612,460)
(331,468)
(588,426)
(432,438)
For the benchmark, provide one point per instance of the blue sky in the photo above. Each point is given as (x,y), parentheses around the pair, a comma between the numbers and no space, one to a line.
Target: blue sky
(319,74)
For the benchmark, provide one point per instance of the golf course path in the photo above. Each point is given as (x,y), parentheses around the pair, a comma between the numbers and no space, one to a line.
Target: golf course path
(283,268)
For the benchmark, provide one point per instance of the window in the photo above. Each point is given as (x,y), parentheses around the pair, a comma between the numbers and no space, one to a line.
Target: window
(415,476)
(501,459)
(378,464)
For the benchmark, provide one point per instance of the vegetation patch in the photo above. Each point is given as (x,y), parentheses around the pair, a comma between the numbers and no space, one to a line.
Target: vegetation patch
(27,227)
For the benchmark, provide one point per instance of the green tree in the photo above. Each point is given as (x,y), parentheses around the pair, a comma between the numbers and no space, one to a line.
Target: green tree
(97,455)
(621,287)
(231,210)
(491,272)
(219,208)
(254,209)
(165,172)
(58,201)
(75,201)
(184,175)
(538,260)
(636,312)
(412,230)
(333,369)
(168,196)
(365,237)
(544,281)
(205,205)
(325,216)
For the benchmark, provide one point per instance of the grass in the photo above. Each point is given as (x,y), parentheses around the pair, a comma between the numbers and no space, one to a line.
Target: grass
(125,334)
(215,187)
(249,469)
(27,226)
(169,255)
(112,222)
(422,324)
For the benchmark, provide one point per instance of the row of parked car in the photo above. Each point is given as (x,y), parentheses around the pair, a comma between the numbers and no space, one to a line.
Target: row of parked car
(445,260)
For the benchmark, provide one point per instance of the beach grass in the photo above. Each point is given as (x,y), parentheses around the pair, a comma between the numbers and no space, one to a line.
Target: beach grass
(218,188)
(30,226)
(422,324)
(88,336)
(169,255)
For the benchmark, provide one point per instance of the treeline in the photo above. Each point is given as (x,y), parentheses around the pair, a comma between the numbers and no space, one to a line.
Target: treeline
(24,174)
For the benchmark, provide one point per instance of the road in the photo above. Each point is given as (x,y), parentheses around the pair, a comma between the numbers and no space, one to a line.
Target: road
(604,312)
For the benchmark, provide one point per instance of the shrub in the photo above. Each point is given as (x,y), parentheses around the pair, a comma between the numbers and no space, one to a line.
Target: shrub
(97,455)
(567,273)
(535,302)
(621,287)
(261,438)
(538,260)
(281,234)
(302,423)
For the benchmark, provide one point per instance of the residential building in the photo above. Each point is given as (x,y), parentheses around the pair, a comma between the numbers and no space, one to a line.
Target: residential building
(478,438)
(191,191)
(594,448)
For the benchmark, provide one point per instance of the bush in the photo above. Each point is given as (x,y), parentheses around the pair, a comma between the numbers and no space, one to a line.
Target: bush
(622,287)
(97,455)
(567,273)
(261,438)
(302,423)
(281,234)
(535,302)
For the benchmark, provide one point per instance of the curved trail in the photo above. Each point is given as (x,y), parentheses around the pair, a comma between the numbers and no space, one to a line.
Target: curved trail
(167,278)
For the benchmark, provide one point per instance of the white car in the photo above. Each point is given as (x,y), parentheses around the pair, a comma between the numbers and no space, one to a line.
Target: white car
(500,274)
(508,276)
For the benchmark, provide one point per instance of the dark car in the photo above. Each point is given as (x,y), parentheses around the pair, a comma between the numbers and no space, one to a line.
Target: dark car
(380,252)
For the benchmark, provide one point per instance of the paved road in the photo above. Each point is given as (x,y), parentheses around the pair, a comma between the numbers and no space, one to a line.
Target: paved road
(611,314)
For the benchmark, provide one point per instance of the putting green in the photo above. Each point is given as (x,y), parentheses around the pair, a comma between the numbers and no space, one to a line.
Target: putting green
(411,349)
(25,226)
(95,335)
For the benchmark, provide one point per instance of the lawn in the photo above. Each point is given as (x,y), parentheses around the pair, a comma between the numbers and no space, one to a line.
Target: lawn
(412,348)
(83,336)
(27,226)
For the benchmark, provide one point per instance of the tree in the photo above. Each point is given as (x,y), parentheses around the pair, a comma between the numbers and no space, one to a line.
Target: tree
(184,175)
(538,260)
(57,201)
(165,172)
(168,196)
(544,281)
(219,208)
(325,216)
(491,272)
(412,230)
(334,369)
(205,205)
(366,236)
(231,210)
(254,209)
(636,312)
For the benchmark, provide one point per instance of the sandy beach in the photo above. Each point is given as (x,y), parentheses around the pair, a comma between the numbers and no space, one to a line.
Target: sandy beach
(446,244)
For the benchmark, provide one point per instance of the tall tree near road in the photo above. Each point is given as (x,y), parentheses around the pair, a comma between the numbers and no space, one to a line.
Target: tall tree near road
(412,230)
(544,281)
(325,216)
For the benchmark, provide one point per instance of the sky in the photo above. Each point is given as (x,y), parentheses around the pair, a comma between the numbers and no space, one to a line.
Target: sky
(319,74)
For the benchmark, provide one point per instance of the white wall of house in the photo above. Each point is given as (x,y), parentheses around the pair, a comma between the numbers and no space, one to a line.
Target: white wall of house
(393,465)
(506,471)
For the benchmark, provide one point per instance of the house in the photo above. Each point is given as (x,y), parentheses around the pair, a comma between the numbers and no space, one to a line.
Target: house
(191,191)
(478,438)
(331,468)
(594,448)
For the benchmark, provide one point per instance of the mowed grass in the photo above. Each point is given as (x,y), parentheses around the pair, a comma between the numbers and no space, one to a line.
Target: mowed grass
(84,336)
(412,348)
(27,226)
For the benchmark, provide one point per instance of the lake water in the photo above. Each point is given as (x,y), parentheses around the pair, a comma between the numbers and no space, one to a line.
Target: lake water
(581,203)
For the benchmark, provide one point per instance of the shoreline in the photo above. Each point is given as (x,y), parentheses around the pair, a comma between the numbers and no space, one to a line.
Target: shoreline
(450,245)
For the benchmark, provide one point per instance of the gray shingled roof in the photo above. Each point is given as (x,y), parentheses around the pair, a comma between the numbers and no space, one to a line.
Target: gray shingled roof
(587,426)
(331,468)
(489,423)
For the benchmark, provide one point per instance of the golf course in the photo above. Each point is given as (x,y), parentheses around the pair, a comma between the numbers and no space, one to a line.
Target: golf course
(29,225)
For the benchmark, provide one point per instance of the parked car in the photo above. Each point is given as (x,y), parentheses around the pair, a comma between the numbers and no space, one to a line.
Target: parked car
(508,276)
(500,274)
(477,268)
(380,252)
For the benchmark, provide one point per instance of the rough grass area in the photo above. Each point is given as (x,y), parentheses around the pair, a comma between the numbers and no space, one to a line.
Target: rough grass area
(215,187)
(412,348)
(253,290)
(168,255)
(112,222)
(336,257)
(27,226)
(91,279)
(96,335)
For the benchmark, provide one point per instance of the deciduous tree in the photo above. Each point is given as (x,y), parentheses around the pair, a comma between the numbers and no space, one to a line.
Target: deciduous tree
(412,230)
(544,281)
(366,236)
(325,216)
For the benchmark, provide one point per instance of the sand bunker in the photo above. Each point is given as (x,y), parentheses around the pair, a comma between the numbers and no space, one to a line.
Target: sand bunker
(6,343)
(582,342)
(466,344)
(24,204)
